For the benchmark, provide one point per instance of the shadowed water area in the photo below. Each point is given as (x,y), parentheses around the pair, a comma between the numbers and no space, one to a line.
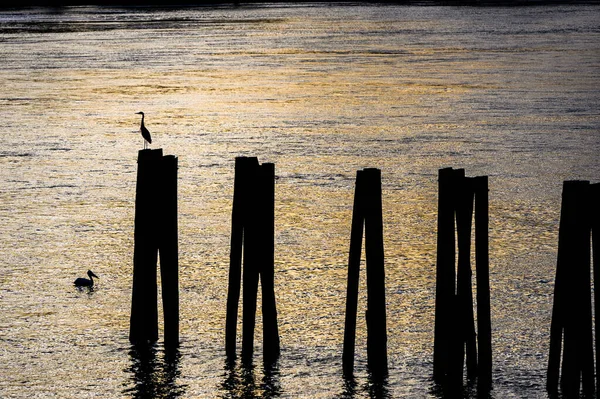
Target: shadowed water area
(321,91)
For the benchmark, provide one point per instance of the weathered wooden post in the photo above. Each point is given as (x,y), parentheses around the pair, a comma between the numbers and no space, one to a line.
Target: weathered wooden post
(155,230)
(271,344)
(464,289)
(251,250)
(144,313)
(482,265)
(455,333)
(571,327)
(445,273)
(356,235)
(595,218)
(253,236)
(168,250)
(367,212)
(242,166)
(374,252)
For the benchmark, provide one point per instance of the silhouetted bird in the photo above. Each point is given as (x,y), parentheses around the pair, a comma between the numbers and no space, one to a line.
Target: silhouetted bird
(144,131)
(84,282)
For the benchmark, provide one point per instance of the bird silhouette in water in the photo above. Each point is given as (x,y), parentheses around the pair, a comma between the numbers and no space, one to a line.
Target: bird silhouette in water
(144,131)
(84,282)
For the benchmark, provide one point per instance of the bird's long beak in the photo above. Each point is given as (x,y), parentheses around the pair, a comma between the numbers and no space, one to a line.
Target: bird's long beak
(138,113)
(93,275)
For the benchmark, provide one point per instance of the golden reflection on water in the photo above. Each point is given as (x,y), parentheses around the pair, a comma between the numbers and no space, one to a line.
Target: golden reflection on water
(321,92)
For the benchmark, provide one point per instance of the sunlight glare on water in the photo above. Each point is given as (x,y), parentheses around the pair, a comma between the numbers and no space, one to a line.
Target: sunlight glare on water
(321,91)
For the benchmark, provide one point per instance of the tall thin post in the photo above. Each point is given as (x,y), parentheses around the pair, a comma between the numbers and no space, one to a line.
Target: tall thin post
(267,263)
(356,235)
(168,250)
(242,165)
(251,259)
(484,324)
(573,258)
(457,307)
(253,243)
(464,290)
(144,312)
(376,314)
(367,212)
(558,307)
(571,327)
(583,309)
(455,334)
(595,217)
(445,273)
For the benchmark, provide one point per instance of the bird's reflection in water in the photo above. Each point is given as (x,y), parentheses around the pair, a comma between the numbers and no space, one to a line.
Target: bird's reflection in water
(240,382)
(154,373)
(376,388)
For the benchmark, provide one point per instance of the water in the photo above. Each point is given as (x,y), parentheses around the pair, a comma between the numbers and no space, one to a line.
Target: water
(321,91)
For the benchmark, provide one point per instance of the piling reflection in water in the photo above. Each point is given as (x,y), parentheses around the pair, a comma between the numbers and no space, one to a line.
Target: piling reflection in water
(378,387)
(469,390)
(349,387)
(240,382)
(375,386)
(154,373)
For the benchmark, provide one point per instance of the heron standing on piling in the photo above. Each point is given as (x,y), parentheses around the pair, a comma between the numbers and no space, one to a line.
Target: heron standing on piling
(144,131)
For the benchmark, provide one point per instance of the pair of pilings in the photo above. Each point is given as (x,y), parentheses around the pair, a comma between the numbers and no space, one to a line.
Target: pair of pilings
(367,216)
(155,233)
(455,333)
(571,327)
(253,240)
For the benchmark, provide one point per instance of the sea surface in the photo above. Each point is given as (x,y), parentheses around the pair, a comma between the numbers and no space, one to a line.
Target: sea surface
(321,90)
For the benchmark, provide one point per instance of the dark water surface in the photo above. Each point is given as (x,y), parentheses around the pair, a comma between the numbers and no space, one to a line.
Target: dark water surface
(321,91)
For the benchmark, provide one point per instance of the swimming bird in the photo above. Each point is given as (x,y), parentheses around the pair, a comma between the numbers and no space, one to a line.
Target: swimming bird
(144,131)
(84,282)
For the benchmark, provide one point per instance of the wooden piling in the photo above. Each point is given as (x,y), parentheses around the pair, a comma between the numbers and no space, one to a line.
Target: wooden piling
(155,233)
(144,312)
(367,212)
(558,306)
(271,346)
(242,165)
(571,326)
(253,243)
(575,254)
(445,273)
(168,250)
(583,293)
(374,253)
(455,336)
(356,235)
(251,258)
(484,324)
(594,202)
(464,289)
